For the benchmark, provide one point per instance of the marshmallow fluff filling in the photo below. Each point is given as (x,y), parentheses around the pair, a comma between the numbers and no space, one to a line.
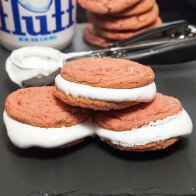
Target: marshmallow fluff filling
(141,94)
(25,136)
(171,127)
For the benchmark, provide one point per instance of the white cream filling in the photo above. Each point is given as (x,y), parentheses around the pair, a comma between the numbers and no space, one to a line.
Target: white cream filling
(171,127)
(141,94)
(25,136)
(34,61)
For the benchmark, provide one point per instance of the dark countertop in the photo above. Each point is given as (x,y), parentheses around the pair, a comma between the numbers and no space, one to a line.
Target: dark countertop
(93,168)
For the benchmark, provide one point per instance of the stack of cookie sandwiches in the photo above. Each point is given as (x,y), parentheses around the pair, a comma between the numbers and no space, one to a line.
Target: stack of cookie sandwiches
(114,20)
(129,114)
(115,99)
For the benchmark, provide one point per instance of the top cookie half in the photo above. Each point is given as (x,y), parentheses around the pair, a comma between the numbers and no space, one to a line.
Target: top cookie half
(38,107)
(108,73)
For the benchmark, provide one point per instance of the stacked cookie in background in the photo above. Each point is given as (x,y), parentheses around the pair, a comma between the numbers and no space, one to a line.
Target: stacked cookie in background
(114,20)
(115,99)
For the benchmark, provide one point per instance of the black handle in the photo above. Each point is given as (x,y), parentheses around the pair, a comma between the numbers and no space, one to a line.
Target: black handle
(41,81)
(182,51)
(166,29)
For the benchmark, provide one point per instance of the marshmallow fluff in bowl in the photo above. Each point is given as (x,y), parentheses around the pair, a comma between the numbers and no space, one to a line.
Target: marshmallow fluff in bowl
(30,62)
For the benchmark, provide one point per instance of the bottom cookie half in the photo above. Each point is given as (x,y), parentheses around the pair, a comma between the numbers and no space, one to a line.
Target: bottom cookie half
(92,104)
(155,146)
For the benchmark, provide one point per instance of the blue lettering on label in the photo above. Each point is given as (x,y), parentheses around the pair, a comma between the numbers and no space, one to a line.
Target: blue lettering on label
(37,39)
(42,19)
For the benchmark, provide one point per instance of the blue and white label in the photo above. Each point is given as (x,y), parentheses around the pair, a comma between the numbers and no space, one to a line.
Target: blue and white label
(37,21)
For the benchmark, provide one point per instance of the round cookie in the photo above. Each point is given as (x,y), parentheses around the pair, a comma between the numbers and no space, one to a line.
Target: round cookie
(105,6)
(145,127)
(38,107)
(35,117)
(129,23)
(105,83)
(140,8)
(91,37)
(120,35)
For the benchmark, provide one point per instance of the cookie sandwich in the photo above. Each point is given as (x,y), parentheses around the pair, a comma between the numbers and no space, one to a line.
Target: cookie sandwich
(34,117)
(105,83)
(145,127)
